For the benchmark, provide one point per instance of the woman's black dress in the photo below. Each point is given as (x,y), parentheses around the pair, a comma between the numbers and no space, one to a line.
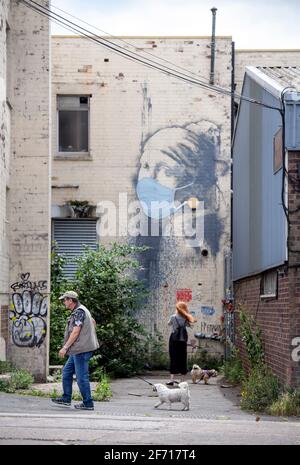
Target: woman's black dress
(178,356)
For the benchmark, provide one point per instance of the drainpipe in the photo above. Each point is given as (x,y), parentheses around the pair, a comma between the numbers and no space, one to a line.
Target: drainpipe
(232,87)
(213,46)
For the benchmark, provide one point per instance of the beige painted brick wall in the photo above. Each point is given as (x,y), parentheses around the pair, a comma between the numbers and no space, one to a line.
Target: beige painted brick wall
(28,60)
(129,103)
(4,178)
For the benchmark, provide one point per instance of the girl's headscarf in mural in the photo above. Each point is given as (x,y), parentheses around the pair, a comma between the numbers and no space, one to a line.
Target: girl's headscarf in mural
(178,162)
(175,157)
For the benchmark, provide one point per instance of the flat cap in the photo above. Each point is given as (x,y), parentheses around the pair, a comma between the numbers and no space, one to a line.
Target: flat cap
(69,295)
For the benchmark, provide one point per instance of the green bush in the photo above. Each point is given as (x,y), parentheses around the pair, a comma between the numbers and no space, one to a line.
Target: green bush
(260,390)
(6,367)
(106,283)
(21,379)
(58,312)
(103,391)
(233,371)
(158,357)
(287,404)
(251,335)
(5,385)
(159,361)
(96,371)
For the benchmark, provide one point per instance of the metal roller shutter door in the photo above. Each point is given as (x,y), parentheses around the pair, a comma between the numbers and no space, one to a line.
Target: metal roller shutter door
(71,236)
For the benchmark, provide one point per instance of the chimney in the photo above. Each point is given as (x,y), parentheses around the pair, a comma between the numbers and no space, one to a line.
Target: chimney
(213,46)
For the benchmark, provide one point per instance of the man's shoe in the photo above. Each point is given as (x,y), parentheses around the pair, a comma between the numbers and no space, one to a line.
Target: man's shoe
(61,401)
(83,407)
(172,383)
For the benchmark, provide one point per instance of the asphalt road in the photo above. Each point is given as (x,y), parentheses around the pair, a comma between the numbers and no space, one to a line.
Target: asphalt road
(131,419)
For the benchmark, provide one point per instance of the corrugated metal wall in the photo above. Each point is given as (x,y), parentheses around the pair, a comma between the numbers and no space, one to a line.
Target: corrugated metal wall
(71,236)
(259,226)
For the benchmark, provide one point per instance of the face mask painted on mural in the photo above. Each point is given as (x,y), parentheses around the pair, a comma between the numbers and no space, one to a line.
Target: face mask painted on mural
(157,200)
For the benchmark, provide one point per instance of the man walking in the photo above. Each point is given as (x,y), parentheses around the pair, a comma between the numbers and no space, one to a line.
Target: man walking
(80,341)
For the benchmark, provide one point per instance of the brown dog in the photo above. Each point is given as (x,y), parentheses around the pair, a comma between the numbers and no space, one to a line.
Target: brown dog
(199,374)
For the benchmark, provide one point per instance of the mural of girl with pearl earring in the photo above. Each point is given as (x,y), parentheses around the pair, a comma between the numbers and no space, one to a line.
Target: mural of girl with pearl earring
(177,164)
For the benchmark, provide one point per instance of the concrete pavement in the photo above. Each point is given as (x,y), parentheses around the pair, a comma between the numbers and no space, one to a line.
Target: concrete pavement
(130,418)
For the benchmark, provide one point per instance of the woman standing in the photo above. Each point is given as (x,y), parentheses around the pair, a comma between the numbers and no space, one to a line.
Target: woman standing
(178,348)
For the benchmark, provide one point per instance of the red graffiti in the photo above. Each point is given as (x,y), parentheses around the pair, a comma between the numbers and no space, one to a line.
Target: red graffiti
(184,295)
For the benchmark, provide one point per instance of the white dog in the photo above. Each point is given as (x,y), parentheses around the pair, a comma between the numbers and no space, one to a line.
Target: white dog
(169,396)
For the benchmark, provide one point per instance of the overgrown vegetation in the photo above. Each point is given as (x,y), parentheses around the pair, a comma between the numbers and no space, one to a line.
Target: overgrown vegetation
(202,358)
(58,313)
(6,367)
(288,403)
(252,337)
(232,367)
(102,391)
(233,371)
(107,285)
(260,389)
(16,379)
(158,357)
(20,381)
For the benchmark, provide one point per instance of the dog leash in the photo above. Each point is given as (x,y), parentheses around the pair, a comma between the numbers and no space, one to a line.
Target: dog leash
(148,382)
(151,384)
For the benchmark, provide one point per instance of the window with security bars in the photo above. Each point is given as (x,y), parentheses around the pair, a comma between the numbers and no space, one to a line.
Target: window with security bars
(71,236)
(73,123)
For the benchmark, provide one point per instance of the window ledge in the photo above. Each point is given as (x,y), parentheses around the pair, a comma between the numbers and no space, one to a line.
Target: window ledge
(268,296)
(73,156)
(65,186)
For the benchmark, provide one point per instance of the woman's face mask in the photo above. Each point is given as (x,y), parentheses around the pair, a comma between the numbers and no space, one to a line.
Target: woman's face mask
(158,201)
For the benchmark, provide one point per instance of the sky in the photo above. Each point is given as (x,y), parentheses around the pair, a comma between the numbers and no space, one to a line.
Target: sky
(263,24)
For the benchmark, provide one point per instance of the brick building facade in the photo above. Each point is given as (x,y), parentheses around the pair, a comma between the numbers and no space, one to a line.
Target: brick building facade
(266,282)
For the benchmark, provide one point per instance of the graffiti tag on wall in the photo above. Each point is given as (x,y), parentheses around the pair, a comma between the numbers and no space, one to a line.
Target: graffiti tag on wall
(184,295)
(211,328)
(296,352)
(28,311)
(26,284)
(209,311)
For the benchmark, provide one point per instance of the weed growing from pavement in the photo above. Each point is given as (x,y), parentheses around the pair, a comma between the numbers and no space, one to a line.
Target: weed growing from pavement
(101,393)
(17,379)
